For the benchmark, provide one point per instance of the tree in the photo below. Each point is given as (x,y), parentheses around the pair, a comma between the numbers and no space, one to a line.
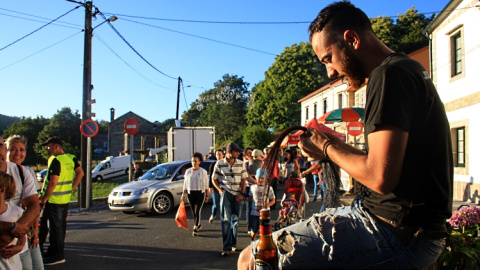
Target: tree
(405,35)
(165,125)
(66,125)
(223,107)
(257,137)
(294,74)
(29,128)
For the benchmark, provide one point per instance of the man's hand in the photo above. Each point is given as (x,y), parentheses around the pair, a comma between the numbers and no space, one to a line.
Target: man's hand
(5,239)
(21,229)
(311,143)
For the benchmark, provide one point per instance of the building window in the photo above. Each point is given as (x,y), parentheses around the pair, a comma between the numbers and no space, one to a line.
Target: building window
(315,110)
(325,106)
(360,98)
(456,47)
(340,101)
(306,114)
(461,147)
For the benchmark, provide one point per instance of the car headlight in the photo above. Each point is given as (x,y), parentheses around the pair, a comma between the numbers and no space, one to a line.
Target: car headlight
(141,191)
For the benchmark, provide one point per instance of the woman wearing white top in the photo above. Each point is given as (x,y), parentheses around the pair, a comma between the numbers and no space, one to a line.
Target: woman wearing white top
(195,186)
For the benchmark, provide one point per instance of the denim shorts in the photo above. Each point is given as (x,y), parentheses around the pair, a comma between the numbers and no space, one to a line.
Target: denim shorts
(349,238)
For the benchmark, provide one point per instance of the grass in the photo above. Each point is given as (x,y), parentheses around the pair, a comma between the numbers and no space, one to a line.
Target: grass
(103,188)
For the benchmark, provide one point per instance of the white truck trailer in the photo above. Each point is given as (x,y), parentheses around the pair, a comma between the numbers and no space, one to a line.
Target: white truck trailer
(184,141)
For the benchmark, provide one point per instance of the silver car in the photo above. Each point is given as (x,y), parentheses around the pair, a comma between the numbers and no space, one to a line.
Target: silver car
(158,190)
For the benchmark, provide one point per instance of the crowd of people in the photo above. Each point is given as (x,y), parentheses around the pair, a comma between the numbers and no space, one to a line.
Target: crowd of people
(237,181)
(405,172)
(29,213)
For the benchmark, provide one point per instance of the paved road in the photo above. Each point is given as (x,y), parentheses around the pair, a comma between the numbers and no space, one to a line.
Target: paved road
(98,238)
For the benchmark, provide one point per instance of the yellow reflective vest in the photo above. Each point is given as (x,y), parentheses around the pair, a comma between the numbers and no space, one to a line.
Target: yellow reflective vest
(63,190)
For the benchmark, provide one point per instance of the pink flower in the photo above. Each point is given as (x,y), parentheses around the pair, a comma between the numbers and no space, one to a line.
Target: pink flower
(464,217)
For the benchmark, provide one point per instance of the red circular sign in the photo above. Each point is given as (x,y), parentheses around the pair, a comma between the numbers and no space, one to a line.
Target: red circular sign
(89,128)
(354,128)
(131,126)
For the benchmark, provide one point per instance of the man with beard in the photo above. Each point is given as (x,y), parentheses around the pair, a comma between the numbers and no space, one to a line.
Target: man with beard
(398,221)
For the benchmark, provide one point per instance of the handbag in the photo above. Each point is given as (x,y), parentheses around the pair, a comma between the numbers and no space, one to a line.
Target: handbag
(181,216)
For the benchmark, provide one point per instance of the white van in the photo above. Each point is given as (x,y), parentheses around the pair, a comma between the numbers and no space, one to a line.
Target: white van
(111,167)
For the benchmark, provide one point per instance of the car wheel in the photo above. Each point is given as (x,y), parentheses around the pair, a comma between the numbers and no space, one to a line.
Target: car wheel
(98,178)
(162,203)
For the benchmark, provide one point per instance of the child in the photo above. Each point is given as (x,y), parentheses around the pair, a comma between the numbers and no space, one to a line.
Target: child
(9,213)
(289,208)
(256,191)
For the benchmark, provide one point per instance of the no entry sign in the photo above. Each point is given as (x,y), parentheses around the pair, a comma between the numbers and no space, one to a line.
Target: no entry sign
(131,126)
(89,128)
(354,128)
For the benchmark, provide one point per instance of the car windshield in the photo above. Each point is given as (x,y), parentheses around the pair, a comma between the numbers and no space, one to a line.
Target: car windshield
(98,167)
(160,172)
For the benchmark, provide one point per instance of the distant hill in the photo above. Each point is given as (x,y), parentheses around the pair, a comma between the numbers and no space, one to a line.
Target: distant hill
(6,121)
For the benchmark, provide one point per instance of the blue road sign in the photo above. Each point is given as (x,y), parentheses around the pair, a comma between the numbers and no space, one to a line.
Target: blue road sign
(89,128)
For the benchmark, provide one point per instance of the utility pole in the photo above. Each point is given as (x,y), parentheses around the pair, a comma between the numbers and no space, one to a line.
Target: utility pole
(177,120)
(86,108)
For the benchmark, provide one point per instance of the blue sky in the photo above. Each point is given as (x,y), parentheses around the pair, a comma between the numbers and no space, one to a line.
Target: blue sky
(43,72)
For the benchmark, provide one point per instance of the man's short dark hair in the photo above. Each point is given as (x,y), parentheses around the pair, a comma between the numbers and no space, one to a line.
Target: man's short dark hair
(338,17)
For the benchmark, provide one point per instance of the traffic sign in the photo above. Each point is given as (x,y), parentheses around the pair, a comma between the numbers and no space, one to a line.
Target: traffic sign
(131,126)
(354,128)
(89,128)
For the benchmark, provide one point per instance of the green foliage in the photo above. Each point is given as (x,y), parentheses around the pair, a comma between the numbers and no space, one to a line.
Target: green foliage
(103,127)
(29,128)
(64,124)
(257,137)
(165,125)
(405,35)
(6,121)
(462,248)
(101,189)
(223,107)
(295,73)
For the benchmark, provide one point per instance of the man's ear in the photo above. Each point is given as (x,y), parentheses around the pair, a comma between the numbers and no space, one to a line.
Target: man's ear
(352,39)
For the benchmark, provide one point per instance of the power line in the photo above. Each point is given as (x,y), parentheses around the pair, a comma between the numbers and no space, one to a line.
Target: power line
(37,29)
(125,62)
(209,39)
(234,22)
(198,21)
(42,19)
(40,51)
(131,47)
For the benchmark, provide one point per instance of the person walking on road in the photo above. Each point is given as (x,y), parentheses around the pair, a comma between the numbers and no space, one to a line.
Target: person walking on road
(195,186)
(64,175)
(290,165)
(213,191)
(229,180)
(406,173)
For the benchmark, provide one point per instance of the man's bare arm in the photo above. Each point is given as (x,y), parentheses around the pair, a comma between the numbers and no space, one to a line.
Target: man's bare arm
(29,217)
(78,177)
(379,170)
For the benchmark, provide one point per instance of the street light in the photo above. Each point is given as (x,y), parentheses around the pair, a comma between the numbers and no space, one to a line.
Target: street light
(111,19)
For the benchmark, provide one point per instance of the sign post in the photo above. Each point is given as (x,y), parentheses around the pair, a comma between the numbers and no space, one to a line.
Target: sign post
(89,128)
(131,128)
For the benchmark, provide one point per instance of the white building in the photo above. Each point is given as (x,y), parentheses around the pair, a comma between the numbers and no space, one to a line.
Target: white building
(455,58)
